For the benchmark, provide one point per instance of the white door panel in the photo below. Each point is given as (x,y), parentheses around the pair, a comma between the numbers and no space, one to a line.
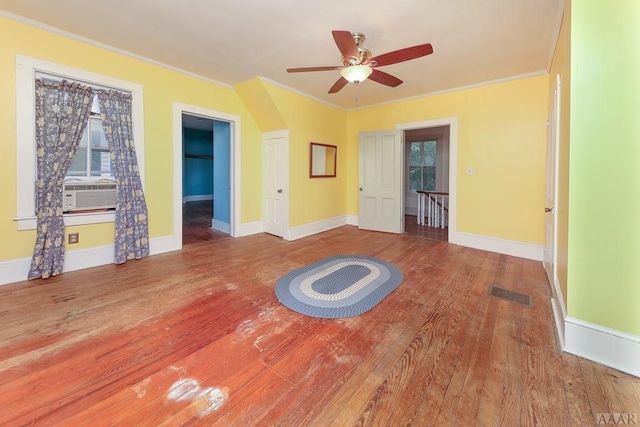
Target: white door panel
(381,184)
(275,178)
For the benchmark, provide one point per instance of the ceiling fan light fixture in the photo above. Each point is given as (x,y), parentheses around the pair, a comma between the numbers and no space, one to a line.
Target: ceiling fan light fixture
(356,73)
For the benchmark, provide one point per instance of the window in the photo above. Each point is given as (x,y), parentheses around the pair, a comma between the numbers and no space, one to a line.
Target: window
(26,70)
(423,157)
(92,157)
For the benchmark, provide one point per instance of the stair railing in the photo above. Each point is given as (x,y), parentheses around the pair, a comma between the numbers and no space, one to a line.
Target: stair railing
(433,209)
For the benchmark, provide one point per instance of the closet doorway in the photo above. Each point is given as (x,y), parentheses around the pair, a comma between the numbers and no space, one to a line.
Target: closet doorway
(205,179)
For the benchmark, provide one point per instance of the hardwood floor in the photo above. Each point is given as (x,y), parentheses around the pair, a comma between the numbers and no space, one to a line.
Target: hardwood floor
(411,227)
(196,223)
(197,337)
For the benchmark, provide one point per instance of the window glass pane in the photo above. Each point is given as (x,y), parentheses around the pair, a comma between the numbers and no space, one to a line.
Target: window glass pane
(98,138)
(429,178)
(100,163)
(415,178)
(95,106)
(430,153)
(415,156)
(79,163)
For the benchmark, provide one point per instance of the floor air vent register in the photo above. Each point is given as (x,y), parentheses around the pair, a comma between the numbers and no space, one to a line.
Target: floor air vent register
(512,296)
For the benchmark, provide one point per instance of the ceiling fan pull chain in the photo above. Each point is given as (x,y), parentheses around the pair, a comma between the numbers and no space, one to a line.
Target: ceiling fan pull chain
(356,91)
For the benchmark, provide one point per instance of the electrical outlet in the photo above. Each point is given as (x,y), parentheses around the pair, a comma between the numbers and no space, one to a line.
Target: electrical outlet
(74,238)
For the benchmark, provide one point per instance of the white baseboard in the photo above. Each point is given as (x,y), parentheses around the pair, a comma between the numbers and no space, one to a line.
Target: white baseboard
(603,345)
(197,198)
(161,245)
(352,220)
(305,230)
(501,246)
(225,227)
(17,270)
(249,228)
(558,318)
(559,309)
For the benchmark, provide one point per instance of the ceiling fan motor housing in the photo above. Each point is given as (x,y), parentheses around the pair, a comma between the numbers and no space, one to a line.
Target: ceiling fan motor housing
(364,55)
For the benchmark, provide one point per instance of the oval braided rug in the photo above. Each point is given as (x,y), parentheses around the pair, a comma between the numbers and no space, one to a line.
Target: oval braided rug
(338,286)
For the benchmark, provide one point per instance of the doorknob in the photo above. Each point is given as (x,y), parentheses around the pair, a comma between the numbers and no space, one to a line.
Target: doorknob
(548,209)
(361,189)
(279,190)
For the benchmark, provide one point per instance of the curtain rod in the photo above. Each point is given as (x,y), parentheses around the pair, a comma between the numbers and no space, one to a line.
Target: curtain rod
(55,78)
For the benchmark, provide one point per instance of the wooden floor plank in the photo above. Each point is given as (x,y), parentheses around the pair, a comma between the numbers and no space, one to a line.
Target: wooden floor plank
(197,337)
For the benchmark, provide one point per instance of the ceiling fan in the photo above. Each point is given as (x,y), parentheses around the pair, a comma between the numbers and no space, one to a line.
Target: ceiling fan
(358,64)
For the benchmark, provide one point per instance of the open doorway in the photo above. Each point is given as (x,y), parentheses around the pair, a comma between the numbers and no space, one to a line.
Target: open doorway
(427,174)
(205,179)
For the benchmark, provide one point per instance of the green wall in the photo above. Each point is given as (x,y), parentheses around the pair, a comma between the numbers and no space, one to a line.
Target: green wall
(604,176)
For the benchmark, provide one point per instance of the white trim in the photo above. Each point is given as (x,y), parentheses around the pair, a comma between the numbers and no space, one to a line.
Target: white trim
(225,227)
(119,51)
(17,270)
(249,228)
(46,27)
(558,298)
(500,246)
(452,122)
(312,228)
(456,89)
(556,33)
(30,223)
(306,95)
(26,68)
(198,198)
(352,220)
(559,314)
(414,97)
(606,346)
(235,126)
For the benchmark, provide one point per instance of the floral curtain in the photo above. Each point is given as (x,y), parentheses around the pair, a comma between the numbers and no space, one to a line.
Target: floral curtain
(62,112)
(132,230)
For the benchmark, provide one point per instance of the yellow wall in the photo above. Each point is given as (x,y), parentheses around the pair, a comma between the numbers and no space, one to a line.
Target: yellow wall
(161,88)
(312,199)
(501,134)
(258,101)
(561,65)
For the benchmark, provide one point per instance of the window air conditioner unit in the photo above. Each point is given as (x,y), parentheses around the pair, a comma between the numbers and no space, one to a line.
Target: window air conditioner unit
(88,195)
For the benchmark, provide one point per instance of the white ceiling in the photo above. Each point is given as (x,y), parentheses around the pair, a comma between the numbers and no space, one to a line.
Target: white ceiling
(231,41)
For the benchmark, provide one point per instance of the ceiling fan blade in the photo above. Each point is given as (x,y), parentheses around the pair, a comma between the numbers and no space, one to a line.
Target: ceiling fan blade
(305,69)
(342,82)
(384,78)
(402,55)
(346,44)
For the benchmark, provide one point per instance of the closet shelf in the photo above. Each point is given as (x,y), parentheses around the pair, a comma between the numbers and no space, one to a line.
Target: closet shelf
(197,156)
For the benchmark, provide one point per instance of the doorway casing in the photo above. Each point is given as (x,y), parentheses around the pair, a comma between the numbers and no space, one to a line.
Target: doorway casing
(452,122)
(234,162)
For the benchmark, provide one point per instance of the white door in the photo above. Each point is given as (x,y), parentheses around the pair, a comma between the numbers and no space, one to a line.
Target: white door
(550,220)
(275,151)
(380,202)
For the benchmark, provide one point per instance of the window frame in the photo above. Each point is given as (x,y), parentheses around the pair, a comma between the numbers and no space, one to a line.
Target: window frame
(26,69)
